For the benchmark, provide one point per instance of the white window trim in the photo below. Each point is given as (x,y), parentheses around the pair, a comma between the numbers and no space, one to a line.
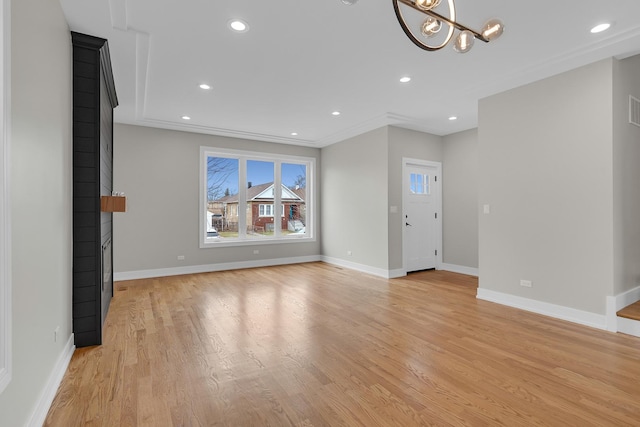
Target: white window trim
(243,156)
(264,207)
(5,220)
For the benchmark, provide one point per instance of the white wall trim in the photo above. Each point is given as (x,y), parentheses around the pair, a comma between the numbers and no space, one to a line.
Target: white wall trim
(627,298)
(628,326)
(51,387)
(612,318)
(374,271)
(208,268)
(471,271)
(394,274)
(5,220)
(617,303)
(586,318)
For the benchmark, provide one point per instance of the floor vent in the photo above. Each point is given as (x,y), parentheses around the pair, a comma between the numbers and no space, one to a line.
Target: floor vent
(634,110)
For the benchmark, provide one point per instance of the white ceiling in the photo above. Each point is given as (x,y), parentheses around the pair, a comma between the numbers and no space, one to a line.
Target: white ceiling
(301,60)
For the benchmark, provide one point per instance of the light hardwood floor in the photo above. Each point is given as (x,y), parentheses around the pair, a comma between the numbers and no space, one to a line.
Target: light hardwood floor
(631,312)
(317,345)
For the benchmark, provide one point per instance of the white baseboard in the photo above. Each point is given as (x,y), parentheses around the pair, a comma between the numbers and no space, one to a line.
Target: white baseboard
(628,326)
(612,318)
(627,298)
(586,318)
(617,303)
(207,268)
(394,274)
(471,271)
(51,387)
(380,272)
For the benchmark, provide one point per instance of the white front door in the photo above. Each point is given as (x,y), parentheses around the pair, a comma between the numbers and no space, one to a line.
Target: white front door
(422,219)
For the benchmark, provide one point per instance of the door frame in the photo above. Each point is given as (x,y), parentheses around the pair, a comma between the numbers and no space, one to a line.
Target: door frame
(406,161)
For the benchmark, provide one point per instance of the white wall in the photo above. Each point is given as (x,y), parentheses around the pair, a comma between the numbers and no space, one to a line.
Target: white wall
(460,198)
(410,144)
(545,152)
(626,158)
(40,201)
(353,200)
(158,170)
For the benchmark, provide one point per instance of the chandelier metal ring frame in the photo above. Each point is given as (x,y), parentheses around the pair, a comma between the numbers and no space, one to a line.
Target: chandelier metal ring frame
(491,30)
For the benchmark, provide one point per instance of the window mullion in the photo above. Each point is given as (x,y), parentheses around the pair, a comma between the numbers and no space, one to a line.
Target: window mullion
(277,198)
(242,198)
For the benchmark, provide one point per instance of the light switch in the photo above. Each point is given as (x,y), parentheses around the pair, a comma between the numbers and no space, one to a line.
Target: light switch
(393,209)
(486,209)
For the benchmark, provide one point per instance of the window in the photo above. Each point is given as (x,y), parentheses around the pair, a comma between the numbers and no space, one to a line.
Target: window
(267,210)
(242,191)
(419,184)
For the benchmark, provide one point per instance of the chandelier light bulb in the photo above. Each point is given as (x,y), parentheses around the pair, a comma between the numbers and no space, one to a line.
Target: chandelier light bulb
(427,4)
(431,26)
(492,29)
(464,42)
(423,32)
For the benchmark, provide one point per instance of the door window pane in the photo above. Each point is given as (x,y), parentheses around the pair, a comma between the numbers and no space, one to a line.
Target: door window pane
(419,183)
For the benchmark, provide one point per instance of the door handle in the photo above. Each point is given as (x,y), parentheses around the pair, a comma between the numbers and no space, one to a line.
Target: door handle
(406,223)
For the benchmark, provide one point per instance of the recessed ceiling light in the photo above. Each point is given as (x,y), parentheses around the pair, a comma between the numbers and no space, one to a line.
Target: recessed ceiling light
(294,133)
(238,26)
(186,118)
(336,113)
(205,86)
(452,118)
(405,79)
(600,28)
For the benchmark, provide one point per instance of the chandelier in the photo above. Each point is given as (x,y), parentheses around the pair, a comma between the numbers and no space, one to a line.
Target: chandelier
(427,33)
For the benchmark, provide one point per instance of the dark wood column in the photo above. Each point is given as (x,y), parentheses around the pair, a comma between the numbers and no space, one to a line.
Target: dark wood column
(94,98)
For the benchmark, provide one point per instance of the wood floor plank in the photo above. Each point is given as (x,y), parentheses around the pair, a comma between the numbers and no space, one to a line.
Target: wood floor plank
(318,345)
(631,312)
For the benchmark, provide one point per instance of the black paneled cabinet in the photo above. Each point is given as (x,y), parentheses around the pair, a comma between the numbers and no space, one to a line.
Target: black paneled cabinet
(94,98)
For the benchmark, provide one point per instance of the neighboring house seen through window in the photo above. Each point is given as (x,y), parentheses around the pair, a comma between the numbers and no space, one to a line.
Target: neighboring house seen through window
(241,191)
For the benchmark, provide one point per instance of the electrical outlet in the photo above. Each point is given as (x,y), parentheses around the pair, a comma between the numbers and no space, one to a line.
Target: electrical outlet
(349,253)
(526,283)
(180,257)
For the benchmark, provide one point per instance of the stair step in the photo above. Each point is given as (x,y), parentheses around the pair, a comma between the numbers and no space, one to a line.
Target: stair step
(631,312)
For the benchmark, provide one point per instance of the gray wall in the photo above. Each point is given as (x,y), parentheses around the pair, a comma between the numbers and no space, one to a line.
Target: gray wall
(626,178)
(354,199)
(361,180)
(40,201)
(158,170)
(460,198)
(415,145)
(545,154)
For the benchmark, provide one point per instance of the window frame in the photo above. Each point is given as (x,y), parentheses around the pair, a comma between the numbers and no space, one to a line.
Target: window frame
(243,157)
